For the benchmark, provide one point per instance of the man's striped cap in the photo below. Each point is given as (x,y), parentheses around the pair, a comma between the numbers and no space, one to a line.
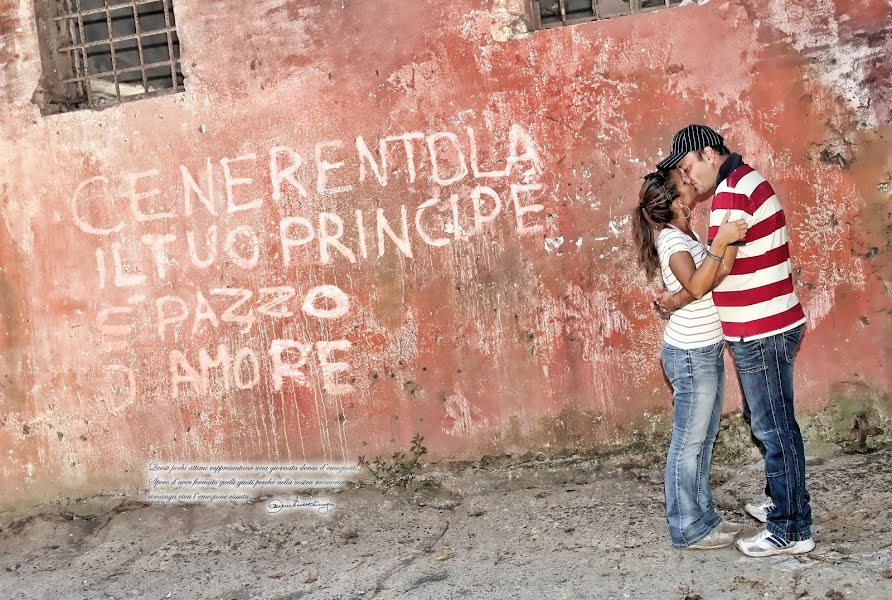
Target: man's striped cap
(689,139)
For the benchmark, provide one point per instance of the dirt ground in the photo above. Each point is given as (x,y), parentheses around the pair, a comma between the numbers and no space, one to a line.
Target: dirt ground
(580,527)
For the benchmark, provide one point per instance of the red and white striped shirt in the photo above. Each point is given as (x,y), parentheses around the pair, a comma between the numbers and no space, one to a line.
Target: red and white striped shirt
(756,299)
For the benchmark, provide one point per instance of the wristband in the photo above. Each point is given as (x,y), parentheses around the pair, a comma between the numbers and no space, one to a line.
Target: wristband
(714,256)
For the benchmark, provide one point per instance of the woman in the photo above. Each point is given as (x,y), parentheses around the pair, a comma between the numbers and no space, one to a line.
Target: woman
(691,352)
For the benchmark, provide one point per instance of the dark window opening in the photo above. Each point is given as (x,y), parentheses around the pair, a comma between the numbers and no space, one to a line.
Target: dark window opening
(99,53)
(557,13)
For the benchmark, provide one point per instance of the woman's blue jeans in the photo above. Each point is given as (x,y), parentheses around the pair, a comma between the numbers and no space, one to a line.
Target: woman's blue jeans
(698,380)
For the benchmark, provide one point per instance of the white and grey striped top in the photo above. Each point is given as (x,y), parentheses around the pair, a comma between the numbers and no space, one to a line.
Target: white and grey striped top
(697,324)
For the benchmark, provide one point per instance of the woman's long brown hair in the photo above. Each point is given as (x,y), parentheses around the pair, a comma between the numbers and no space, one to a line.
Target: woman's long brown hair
(654,210)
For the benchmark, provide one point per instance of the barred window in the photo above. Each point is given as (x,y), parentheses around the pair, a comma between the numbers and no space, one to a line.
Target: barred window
(98,53)
(556,13)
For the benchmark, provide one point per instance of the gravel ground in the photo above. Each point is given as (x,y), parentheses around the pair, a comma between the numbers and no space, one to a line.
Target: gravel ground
(571,528)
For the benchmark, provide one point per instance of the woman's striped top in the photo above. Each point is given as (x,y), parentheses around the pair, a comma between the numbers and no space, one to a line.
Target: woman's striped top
(697,324)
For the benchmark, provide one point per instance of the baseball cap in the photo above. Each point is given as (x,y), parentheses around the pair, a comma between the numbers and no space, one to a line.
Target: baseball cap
(689,139)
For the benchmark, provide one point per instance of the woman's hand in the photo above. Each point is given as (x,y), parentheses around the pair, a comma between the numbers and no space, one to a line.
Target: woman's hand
(698,281)
(729,232)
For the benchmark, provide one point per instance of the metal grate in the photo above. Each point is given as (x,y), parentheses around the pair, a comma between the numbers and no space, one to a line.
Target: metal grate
(119,50)
(557,13)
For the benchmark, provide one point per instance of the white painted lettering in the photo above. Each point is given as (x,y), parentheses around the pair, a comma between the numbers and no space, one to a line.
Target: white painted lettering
(191,188)
(165,319)
(206,363)
(365,156)
(229,316)
(122,276)
(211,237)
(238,370)
(231,182)
(339,300)
(288,242)
(360,232)
(156,243)
(521,140)
(137,197)
(203,312)
(247,233)
(280,295)
(522,210)
(74,205)
(279,175)
(327,239)
(475,165)
(403,243)
(182,372)
(436,242)
(406,139)
(331,369)
(323,167)
(291,370)
(479,218)
(462,167)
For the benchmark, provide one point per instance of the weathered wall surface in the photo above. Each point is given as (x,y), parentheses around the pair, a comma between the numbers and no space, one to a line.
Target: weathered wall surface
(364,220)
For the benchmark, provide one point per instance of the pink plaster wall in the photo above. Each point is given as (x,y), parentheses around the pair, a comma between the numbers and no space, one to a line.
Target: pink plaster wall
(492,336)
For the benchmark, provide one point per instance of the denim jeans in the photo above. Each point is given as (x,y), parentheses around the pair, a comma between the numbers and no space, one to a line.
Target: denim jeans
(758,444)
(765,368)
(697,377)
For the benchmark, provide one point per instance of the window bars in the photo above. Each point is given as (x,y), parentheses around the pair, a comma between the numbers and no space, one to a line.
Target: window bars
(116,50)
(557,13)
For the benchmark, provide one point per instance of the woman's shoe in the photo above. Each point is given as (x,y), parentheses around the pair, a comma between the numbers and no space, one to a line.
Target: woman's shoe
(730,527)
(713,540)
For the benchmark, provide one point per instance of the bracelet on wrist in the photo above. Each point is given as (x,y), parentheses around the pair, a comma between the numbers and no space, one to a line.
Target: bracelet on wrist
(715,256)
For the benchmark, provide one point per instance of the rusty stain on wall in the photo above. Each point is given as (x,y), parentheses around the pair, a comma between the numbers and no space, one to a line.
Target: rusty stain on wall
(363,221)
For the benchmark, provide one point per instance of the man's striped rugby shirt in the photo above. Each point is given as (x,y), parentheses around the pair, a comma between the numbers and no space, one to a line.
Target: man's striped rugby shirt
(757,298)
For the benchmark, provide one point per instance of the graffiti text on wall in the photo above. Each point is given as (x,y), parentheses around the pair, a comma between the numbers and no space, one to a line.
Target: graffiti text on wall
(251,214)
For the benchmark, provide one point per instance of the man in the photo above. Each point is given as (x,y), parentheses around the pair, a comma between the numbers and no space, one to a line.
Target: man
(762,321)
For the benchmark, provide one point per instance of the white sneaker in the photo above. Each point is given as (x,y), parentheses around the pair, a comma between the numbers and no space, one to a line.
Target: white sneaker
(760,511)
(766,544)
(730,527)
(714,539)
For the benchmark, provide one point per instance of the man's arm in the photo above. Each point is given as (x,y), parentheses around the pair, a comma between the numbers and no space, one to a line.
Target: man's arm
(668,302)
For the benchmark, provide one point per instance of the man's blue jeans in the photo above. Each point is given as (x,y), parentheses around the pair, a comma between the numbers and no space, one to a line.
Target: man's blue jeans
(765,368)
(697,377)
